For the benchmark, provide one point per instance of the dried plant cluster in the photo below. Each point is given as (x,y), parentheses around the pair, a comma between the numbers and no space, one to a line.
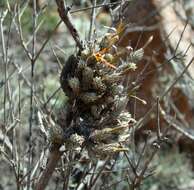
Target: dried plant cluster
(95,82)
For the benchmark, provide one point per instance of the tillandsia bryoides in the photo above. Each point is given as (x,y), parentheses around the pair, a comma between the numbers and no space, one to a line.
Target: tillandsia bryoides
(93,80)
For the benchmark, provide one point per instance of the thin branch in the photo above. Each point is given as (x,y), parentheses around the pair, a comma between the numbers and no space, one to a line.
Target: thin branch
(58,24)
(188,132)
(98,174)
(63,13)
(32,96)
(158,118)
(93,16)
(139,124)
(2,17)
(131,164)
(181,36)
(19,30)
(54,157)
(53,95)
(47,40)
(97,6)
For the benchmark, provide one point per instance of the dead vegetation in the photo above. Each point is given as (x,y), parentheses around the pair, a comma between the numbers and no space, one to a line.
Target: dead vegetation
(88,106)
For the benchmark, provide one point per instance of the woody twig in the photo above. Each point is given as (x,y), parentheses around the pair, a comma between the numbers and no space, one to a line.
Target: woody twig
(63,13)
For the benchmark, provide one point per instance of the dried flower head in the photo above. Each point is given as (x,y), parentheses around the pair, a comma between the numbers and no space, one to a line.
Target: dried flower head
(103,151)
(93,81)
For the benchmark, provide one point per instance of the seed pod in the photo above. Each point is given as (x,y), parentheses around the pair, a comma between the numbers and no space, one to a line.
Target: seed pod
(75,141)
(96,110)
(103,151)
(119,105)
(56,134)
(74,84)
(113,78)
(89,97)
(128,67)
(124,138)
(91,60)
(87,77)
(108,100)
(98,84)
(107,134)
(81,65)
(68,71)
(108,40)
(117,89)
(132,66)
(109,57)
(122,52)
(125,118)
(85,54)
(137,55)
